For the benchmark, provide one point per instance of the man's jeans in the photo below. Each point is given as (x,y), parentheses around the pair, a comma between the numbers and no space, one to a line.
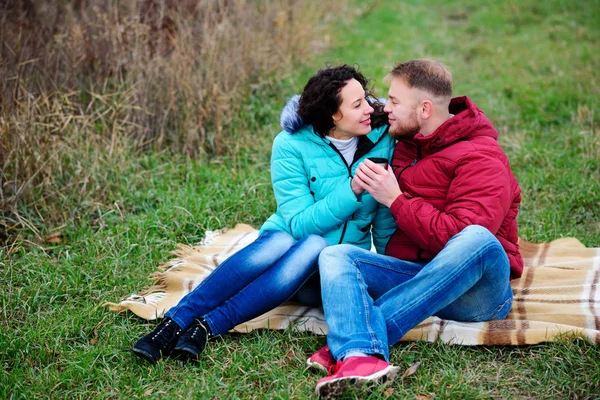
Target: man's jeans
(371,301)
(252,281)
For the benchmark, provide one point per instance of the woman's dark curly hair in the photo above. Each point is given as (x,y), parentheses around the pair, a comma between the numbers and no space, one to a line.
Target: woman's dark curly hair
(321,98)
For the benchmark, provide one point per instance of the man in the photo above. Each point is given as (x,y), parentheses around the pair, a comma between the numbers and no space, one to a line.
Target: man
(455,201)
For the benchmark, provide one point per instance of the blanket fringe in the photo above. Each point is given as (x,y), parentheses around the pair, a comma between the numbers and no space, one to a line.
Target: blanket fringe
(159,284)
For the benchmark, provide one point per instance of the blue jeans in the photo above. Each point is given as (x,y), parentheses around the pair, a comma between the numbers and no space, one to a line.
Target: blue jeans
(371,301)
(252,281)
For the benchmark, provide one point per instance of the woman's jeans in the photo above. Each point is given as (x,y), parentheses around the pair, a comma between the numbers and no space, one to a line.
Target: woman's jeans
(252,281)
(371,301)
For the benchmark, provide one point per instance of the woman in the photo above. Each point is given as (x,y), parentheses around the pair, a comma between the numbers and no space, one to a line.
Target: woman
(328,132)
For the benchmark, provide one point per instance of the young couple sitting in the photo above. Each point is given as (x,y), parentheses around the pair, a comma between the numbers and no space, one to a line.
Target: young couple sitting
(442,218)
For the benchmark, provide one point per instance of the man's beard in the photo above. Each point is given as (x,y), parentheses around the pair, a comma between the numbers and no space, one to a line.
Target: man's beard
(407,130)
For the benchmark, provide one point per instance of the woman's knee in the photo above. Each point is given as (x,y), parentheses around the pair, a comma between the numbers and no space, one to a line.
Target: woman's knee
(281,238)
(312,244)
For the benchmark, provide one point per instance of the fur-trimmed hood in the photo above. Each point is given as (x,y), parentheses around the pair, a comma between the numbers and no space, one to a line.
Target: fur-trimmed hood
(290,120)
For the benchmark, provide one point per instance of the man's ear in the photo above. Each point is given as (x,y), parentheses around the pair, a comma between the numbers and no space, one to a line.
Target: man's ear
(426,109)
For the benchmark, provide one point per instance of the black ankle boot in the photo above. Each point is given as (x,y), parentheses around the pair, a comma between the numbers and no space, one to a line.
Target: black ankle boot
(193,341)
(158,343)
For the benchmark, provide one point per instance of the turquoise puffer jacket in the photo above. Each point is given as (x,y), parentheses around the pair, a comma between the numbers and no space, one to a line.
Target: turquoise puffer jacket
(311,182)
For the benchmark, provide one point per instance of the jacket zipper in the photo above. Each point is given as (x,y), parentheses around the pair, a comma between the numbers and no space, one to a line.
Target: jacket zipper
(349,167)
(411,164)
(419,251)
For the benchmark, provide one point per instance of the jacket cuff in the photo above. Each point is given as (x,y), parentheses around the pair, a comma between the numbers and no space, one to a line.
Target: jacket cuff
(345,202)
(350,195)
(397,206)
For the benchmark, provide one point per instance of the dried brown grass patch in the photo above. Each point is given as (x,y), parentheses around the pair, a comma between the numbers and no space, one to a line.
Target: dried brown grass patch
(86,84)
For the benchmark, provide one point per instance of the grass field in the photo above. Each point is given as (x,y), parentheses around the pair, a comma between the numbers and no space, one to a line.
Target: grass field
(533,67)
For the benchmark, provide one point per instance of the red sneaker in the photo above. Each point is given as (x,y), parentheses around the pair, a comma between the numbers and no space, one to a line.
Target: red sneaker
(322,359)
(356,371)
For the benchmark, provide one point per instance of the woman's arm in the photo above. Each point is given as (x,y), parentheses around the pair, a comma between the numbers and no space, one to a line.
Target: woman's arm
(295,202)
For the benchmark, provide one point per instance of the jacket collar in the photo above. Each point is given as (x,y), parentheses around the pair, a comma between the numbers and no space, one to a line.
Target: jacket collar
(468,121)
(309,133)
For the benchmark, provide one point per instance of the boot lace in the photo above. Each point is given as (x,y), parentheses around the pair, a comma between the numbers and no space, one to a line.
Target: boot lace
(165,332)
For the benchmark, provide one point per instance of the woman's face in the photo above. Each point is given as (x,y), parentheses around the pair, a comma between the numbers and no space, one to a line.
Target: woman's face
(353,118)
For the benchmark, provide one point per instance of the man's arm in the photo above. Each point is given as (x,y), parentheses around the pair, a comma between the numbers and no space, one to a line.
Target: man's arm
(480,194)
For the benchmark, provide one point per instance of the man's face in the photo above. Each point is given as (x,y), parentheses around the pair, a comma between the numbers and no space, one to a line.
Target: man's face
(402,109)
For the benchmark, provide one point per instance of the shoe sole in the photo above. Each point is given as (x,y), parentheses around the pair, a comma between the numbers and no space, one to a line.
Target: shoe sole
(184,354)
(144,355)
(336,387)
(316,365)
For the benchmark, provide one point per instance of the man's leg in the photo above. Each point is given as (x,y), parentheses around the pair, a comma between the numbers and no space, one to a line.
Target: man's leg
(350,276)
(467,281)
(357,332)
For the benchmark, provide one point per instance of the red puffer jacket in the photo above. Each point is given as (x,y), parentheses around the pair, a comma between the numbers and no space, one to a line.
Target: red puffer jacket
(455,177)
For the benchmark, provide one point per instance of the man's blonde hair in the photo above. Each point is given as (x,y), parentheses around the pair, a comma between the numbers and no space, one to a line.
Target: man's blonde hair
(427,75)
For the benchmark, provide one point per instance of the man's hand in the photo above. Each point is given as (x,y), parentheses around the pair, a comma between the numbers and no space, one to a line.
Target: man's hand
(378,181)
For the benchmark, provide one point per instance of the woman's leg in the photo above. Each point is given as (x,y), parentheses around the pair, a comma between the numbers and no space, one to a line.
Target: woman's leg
(231,276)
(271,288)
(309,294)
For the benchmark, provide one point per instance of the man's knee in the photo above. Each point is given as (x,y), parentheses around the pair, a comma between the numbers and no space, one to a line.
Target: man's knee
(335,252)
(480,237)
(476,230)
(333,258)
(477,233)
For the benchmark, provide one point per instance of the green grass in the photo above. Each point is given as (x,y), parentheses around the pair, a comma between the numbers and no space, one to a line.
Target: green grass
(532,67)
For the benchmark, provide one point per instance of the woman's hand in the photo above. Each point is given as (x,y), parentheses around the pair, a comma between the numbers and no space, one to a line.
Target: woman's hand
(356,188)
(378,181)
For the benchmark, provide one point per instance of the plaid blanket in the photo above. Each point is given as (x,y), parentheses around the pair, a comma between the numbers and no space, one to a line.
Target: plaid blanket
(558,294)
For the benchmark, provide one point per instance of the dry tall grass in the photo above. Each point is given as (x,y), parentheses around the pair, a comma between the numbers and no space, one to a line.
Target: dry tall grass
(86,83)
